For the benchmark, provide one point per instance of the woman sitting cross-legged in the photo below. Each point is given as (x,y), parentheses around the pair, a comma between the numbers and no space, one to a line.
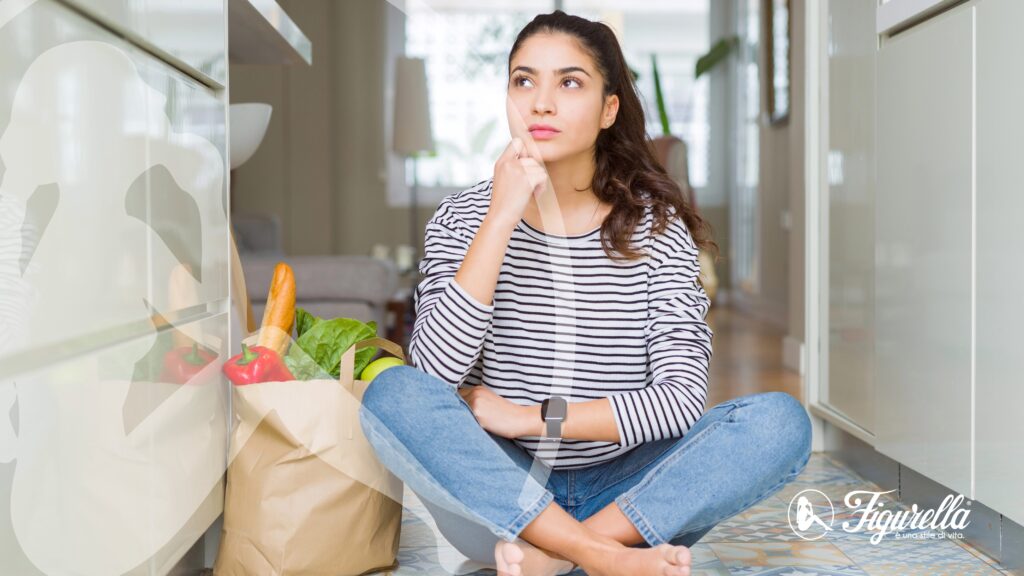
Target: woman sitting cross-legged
(553,412)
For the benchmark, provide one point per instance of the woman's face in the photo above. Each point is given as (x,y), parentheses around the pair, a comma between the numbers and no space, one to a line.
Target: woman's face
(553,82)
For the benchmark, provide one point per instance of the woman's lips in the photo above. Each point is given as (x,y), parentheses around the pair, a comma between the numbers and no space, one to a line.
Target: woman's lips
(543,134)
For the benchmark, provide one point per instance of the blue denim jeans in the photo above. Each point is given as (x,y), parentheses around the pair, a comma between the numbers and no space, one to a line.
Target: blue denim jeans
(480,487)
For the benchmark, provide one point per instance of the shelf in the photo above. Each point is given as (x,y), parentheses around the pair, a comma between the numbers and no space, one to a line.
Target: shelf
(896,15)
(261,32)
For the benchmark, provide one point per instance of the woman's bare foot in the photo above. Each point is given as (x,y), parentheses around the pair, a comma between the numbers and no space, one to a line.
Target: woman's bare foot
(520,558)
(660,560)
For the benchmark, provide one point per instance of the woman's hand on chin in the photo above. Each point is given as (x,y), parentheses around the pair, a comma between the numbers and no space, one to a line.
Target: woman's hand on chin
(500,416)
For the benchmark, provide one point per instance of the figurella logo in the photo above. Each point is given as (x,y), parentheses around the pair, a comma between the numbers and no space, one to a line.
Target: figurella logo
(809,525)
(811,515)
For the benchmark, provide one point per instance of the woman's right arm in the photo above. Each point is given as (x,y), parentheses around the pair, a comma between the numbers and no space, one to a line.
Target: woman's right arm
(516,176)
(451,322)
(454,301)
(478,274)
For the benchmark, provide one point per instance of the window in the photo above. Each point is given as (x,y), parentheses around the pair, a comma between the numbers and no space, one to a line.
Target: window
(676,32)
(747,118)
(466,42)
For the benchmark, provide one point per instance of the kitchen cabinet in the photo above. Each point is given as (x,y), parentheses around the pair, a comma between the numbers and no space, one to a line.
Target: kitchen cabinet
(117,469)
(849,388)
(923,158)
(923,219)
(999,434)
(114,185)
(114,245)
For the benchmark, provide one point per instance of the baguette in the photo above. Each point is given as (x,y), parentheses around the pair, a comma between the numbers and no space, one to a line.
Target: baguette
(279,315)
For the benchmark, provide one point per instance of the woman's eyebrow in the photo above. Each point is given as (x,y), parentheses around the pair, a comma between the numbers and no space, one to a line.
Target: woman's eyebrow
(565,70)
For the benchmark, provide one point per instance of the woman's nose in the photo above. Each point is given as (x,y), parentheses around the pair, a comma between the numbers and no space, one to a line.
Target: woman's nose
(543,103)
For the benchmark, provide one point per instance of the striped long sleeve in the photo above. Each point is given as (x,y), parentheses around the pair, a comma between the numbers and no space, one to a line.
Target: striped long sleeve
(450,326)
(679,345)
(569,320)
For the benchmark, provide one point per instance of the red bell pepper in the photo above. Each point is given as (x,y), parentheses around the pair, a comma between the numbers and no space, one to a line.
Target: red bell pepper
(256,364)
(184,362)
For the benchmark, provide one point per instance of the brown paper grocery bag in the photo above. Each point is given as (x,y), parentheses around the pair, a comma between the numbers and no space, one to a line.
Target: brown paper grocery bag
(306,494)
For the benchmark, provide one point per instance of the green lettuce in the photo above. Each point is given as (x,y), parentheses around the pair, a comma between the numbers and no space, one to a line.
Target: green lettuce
(320,343)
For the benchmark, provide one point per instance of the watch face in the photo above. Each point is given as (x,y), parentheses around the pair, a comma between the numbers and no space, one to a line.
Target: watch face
(554,408)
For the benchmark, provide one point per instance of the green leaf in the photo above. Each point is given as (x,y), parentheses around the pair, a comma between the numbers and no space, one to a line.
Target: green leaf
(327,340)
(720,51)
(304,321)
(660,96)
(303,366)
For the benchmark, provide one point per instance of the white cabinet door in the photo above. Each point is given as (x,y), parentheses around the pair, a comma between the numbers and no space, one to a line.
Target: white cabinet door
(112,189)
(851,217)
(112,209)
(181,191)
(923,243)
(1000,268)
(118,457)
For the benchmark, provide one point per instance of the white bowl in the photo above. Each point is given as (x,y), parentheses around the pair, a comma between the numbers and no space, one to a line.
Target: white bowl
(249,123)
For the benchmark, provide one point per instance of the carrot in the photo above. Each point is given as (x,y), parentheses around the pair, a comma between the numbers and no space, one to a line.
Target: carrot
(279,315)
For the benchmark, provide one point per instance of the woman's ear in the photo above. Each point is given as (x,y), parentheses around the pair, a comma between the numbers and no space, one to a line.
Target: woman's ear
(611,109)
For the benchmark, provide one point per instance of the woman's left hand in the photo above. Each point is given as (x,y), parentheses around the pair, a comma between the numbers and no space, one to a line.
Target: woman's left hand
(500,416)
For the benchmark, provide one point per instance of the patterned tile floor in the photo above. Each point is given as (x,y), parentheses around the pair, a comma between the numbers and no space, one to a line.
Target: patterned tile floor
(756,541)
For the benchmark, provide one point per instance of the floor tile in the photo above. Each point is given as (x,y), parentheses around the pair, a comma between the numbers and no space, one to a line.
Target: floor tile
(837,492)
(797,571)
(705,562)
(986,558)
(745,532)
(755,541)
(418,534)
(906,552)
(773,554)
(769,509)
(827,474)
(898,569)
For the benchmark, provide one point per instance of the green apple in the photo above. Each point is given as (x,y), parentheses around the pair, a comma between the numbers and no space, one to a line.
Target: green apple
(379,365)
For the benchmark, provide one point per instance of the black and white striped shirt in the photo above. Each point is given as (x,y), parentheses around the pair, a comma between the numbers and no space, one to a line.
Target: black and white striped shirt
(568,320)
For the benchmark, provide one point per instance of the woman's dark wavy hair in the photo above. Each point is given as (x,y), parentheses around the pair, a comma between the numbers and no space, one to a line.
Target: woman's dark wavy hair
(626,163)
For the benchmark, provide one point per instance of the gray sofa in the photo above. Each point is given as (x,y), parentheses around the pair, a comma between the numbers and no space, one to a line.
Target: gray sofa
(329,286)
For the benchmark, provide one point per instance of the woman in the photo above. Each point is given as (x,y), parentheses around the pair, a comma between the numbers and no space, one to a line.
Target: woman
(573,274)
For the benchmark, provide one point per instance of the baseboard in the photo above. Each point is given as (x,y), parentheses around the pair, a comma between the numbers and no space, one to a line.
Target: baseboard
(861,457)
(988,531)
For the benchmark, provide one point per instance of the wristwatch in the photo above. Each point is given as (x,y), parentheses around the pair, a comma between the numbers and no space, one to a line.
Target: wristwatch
(553,411)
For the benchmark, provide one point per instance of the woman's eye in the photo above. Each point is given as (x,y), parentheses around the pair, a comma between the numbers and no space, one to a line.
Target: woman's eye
(517,79)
